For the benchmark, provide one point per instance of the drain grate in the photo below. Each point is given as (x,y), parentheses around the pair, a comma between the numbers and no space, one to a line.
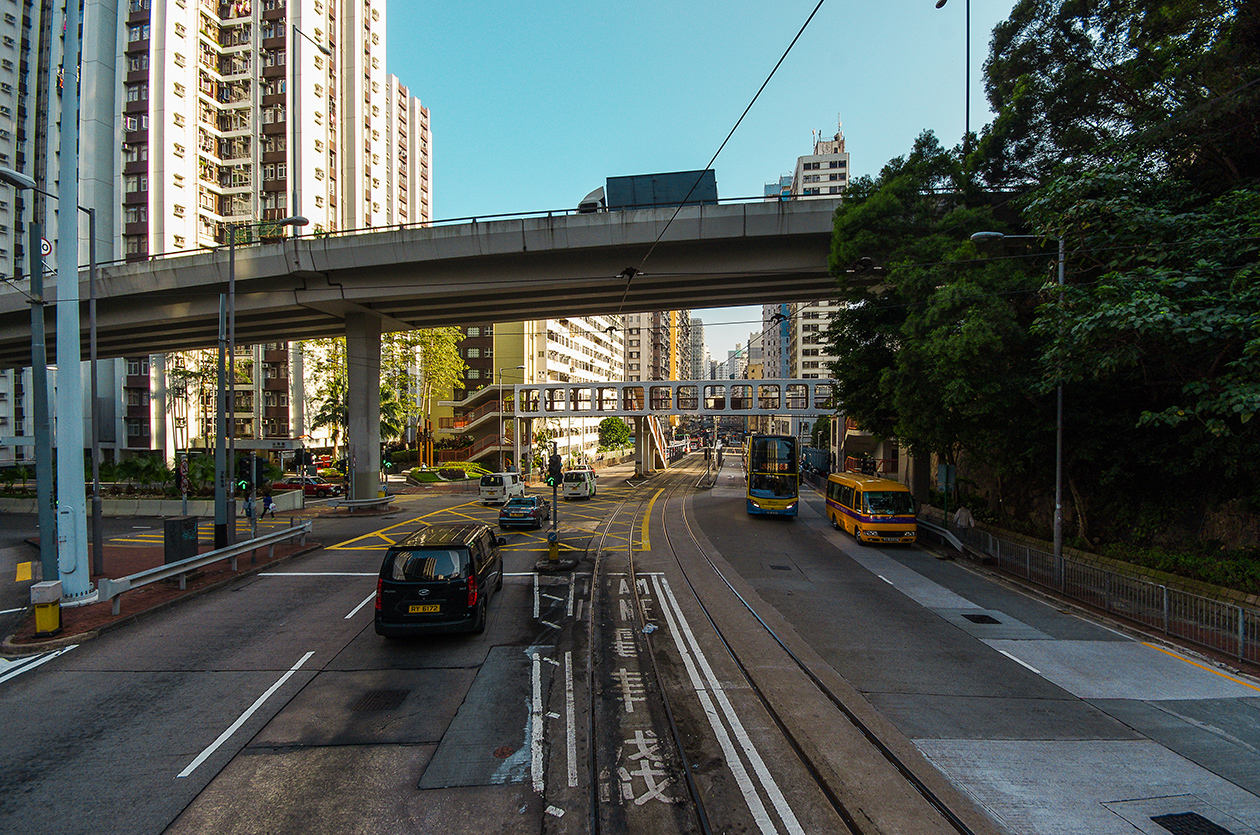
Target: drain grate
(982,619)
(1189,823)
(781,567)
(380,700)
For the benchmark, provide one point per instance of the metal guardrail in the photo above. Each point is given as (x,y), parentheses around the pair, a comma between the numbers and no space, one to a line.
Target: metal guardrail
(107,589)
(361,504)
(1216,624)
(944,533)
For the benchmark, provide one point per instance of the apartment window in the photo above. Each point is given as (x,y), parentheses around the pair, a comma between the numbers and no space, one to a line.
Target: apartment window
(136,63)
(137,214)
(135,428)
(138,92)
(138,32)
(473,374)
(135,182)
(834,190)
(135,153)
(474,331)
(836,163)
(474,353)
(138,367)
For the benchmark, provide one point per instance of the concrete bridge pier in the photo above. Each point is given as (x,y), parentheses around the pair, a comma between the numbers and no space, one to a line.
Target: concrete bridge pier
(363,380)
(644,448)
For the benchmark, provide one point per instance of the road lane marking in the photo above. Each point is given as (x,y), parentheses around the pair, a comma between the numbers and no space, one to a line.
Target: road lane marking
(1020,663)
(645,544)
(1201,667)
(13,669)
(365,602)
(695,662)
(319,573)
(243,718)
(536,725)
(570,734)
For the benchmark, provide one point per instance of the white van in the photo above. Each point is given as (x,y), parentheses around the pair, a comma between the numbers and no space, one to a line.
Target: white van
(579,484)
(497,488)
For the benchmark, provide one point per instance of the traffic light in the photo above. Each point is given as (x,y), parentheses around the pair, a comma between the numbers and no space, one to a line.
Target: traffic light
(554,471)
(242,473)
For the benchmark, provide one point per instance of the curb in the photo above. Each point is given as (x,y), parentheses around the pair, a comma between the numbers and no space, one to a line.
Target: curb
(9,649)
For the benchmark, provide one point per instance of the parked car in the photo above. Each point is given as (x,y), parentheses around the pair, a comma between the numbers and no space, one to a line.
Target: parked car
(497,488)
(525,512)
(439,579)
(311,485)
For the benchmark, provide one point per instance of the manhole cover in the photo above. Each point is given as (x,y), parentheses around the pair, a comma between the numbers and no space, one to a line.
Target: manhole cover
(380,700)
(982,619)
(1189,823)
(781,567)
(504,751)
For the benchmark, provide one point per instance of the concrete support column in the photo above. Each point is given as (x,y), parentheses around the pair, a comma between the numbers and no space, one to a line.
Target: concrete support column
(297,391)
(363,379)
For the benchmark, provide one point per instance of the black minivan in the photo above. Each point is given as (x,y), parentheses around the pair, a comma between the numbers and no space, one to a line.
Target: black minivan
(439,579)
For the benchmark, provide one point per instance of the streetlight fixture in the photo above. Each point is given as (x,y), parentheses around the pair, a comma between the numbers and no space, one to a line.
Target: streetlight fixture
(967,75)
(500,443)
(985,237)
(24,183)
(225,433)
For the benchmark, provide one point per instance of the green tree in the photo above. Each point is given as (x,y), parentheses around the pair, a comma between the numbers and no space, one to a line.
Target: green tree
(931,347)
(1076,81)
(613,433)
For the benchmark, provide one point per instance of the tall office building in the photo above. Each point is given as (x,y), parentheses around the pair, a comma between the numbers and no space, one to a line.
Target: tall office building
(215,115)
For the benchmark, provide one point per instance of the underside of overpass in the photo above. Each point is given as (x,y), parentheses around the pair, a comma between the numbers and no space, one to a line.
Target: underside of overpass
(362,284)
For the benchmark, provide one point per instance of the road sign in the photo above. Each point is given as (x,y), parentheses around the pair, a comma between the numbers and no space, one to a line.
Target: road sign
(45,246)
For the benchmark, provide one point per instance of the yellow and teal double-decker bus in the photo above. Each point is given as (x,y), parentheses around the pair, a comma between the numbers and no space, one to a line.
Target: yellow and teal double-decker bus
(771,462)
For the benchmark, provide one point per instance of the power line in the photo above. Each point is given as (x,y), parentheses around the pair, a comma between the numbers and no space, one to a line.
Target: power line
(631,272)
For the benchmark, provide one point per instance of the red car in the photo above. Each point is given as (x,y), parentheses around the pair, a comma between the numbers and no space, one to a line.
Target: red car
(312,485)
(525,511)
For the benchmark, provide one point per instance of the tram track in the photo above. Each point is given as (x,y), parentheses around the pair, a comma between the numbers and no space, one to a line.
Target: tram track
(769,810)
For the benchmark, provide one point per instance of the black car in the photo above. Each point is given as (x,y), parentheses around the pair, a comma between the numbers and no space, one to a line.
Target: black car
(525,511)
(439,579)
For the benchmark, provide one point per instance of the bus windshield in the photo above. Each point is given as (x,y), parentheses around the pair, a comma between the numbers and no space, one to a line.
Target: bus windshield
(772,484)
(888,503)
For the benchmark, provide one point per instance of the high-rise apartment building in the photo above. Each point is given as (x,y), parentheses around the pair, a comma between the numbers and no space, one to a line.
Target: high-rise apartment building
(230,114)
(586,349)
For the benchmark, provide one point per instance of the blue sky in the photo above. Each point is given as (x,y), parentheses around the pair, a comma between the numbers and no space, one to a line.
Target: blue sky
(533,105)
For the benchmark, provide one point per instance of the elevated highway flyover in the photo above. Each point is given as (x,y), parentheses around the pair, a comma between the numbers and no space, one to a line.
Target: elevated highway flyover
(501,270)
(361,284)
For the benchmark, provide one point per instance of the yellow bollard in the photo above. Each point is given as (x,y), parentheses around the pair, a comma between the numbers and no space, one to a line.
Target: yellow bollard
(46,598)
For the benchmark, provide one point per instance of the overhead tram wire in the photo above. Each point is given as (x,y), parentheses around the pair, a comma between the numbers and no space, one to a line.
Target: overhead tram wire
(631,272)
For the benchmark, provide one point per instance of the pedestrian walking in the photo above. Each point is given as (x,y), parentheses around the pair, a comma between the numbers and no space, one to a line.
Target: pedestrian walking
(269,506)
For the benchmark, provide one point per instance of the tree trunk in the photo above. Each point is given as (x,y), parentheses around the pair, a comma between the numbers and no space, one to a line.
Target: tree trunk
(1082,520)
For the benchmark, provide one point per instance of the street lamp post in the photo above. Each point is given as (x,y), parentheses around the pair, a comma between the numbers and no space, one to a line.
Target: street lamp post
(982,237)
(24,183)
(967,73)
(225,434)
(500,443)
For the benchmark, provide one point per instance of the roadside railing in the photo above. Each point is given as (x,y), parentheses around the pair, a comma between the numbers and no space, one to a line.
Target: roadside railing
(352,505)
(112,590)
(1216,624)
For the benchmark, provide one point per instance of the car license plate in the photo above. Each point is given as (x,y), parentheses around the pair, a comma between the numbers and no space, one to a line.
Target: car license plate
(518,515)
(424,608)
